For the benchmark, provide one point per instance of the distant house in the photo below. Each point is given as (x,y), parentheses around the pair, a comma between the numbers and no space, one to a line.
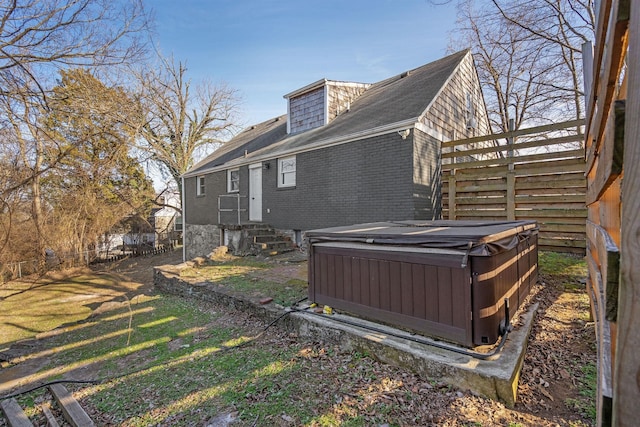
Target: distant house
(344,153)
(167,221)
(163,226)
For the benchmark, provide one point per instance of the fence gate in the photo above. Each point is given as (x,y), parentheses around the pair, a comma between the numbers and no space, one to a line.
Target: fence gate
(535,173)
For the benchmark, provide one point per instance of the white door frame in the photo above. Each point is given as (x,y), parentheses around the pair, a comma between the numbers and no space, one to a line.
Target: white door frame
(255,192)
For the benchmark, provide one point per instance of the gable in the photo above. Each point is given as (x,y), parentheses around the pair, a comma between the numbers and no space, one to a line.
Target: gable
(458,110)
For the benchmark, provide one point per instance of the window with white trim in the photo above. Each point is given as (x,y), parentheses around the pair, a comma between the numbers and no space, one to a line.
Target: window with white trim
(287,172)
(233,180)
(200,185)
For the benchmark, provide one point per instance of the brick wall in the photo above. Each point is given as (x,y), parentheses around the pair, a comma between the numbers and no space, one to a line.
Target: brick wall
(363,181)
(204,209)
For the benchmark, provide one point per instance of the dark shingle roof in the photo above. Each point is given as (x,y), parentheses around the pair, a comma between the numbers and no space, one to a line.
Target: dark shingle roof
(402,97)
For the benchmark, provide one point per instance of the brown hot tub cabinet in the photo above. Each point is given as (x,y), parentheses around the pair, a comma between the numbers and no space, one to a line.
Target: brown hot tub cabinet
(446,279)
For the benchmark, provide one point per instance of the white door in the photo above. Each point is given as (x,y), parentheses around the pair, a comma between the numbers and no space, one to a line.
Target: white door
(255,192)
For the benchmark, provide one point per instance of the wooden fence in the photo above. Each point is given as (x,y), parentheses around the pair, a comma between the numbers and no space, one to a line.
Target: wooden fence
(535,173)
(612,139)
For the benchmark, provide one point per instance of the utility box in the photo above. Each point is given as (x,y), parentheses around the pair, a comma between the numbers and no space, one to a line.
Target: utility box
(445,279)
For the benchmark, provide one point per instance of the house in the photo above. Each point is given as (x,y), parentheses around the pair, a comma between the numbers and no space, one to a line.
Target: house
(162,226)
(167,221)
(345,153)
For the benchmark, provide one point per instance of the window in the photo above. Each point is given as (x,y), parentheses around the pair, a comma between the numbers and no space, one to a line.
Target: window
(200,185)
(287,172)
(233,180)
(177,224)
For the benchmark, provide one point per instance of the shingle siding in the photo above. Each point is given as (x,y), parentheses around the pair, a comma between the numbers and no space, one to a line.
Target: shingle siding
(342,95)
(427,190)
(447,113)
(307,110)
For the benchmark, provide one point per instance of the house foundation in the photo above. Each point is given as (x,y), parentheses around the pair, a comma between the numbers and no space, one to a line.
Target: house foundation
(200,240)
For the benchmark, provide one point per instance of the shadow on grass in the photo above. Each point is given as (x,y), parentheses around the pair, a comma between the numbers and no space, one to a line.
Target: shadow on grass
(28,309)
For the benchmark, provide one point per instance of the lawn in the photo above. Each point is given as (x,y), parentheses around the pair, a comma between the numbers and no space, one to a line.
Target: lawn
(155,359)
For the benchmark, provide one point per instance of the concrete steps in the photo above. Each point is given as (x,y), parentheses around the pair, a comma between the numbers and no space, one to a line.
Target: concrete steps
(68,405)
(256,239)
(268,241)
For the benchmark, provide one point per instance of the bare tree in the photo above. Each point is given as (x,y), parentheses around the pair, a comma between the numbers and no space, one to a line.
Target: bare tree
(38,38)
(180,123)
(527,54)
(563,26)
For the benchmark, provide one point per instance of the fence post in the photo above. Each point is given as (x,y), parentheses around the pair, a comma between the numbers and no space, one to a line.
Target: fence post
(511,195)
(452,195)
(510,142)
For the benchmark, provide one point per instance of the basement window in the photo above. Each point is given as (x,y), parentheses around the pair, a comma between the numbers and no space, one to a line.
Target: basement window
(287,172)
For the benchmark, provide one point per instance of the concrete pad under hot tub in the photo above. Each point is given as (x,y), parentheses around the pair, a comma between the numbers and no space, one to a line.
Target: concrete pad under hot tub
(495,378)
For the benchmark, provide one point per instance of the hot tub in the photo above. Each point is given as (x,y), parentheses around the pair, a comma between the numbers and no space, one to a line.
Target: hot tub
(446,279)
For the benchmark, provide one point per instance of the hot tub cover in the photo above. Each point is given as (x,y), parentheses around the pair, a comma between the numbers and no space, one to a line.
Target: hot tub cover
(479,238)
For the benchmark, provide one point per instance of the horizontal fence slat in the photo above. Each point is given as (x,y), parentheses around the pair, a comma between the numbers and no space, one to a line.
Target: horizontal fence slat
(519,132)
(574,228)
(576,165)
(556,213)
(517,146)
(572,178)
(552,184)
(561,220)
(476,200)
(551,206)
(537,198)
(563,243)
(553,192)
(570,154)
(559,167)
(481,213)
(561,235)
(482,188)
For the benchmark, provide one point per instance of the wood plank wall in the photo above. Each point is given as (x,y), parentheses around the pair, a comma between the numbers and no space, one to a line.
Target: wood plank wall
(612,139)
(539,175)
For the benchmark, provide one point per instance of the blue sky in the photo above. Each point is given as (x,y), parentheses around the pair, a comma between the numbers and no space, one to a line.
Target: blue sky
(267,48)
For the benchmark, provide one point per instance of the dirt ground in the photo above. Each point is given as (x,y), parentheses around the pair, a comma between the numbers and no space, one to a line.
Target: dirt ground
(551,391)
